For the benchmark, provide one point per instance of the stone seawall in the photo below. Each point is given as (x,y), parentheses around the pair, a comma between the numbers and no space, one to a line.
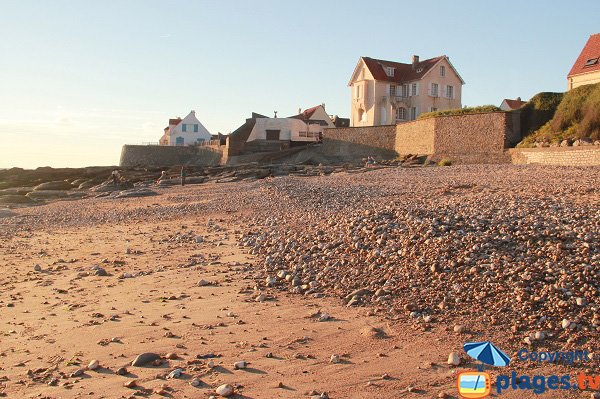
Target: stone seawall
(154,155)
(561,156)
(354,143)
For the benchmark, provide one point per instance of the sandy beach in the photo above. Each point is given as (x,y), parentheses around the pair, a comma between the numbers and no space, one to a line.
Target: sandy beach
(258,284)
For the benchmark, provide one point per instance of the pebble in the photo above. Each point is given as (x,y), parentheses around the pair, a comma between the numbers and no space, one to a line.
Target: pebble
(93,365)
(175,373)
(130,384)
(454,358)
(459,329)
(334,359)
(145,358)
(195,382)
(203,283)
(37,268)
(239,365)
(122,371)
(224,390)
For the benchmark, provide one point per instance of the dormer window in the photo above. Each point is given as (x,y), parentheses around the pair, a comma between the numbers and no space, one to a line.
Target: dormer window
(442,70)
(592,61)
(419,70)
(389,71)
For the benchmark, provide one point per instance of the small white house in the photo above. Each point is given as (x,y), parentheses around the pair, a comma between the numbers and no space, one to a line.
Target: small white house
(186,131)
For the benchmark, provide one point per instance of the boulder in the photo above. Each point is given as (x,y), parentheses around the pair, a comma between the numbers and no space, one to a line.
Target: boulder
(87,184)
(137,192)
(15,199)
(6,213)
(47,194)
(54,185)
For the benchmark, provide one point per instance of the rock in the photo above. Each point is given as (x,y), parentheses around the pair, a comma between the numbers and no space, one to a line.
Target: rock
(145,358)
(130,384)
(53,185)
(122,371)
(203,283)
(99,271)
(175,373)
(270,281)
(37,268)
(210,364)
(171,356)
(334,359)
(566,323)
(93,365)
(581,301)
(199,239)
(135,192)
(47,194)
(539,336)
(15,199)
(224,390)
(261,298)
(454,359)
(77,373)
(459,329)
(195,382)
(240,365)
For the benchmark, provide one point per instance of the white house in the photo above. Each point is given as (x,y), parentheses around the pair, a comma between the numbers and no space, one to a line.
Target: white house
(186,131)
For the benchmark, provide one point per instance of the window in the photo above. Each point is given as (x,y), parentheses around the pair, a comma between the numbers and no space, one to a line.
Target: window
(404,90)
(433,109)
(272,134)
(179,141)
(195,128)
(449,91)
(183,127)
(392,91)
(591,61)
(357,91)
(415,89)
(434,91)
(442,70)
(389,71)
(401,114)
(413,113)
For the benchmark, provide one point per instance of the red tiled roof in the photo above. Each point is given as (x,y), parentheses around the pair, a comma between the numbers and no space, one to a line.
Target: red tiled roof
(174,121)
(306,114)
(515,104)
(402,72)
(590,50)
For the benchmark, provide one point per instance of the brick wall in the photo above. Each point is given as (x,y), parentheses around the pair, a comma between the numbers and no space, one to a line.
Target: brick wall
(155,155)
(416,137)
(563,156)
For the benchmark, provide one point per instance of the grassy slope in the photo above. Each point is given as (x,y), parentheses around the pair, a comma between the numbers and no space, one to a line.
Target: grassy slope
(577,116)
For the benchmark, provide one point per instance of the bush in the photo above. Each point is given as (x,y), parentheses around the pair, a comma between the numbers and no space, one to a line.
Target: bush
(445,162)
(577,116)
(482,109)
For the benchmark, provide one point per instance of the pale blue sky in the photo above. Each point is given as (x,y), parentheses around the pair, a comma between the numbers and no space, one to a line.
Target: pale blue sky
(80,78)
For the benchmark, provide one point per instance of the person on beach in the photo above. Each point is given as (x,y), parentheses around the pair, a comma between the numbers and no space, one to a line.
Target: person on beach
(183,175)
(370,161)
(163,176)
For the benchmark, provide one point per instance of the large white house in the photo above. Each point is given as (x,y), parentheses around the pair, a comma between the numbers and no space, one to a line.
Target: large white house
(186,131)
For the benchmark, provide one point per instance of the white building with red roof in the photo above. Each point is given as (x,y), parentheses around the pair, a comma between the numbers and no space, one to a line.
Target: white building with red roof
(586,69)
(387,92)
(186,131)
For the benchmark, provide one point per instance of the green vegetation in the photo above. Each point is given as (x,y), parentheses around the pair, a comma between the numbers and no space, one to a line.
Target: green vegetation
(482,109)
(538,111)
(577,116)
(445,162)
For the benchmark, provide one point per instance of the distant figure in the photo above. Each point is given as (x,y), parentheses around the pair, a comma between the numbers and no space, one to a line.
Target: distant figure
(116,177)
(183,175)
(370,161)
(163,176)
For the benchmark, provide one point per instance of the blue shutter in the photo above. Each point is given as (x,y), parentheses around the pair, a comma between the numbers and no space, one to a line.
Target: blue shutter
(196,128)
(183,127)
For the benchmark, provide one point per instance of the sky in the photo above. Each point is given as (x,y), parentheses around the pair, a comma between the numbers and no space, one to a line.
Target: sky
(78,79)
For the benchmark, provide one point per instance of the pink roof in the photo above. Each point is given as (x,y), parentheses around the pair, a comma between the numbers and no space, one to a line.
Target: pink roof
(585,62)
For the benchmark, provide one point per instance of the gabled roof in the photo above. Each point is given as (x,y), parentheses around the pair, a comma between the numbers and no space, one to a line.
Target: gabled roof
(514,104)
(175,121)
(585,62)
(403,73)
(307,113)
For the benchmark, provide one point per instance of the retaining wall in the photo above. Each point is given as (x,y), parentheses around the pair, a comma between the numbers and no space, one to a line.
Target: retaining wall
(155,155)
(562,156)
(416,137)
(354,143)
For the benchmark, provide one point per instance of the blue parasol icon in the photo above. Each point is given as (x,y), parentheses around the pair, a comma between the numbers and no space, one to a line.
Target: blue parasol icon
(487,353)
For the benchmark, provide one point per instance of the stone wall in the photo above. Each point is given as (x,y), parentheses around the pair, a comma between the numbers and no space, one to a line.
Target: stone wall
(563,156)
(354,143)
(154,155)
(416,137)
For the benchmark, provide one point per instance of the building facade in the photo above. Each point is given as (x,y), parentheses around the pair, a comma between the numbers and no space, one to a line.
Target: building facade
(586,69)
(386,92)
(186,131)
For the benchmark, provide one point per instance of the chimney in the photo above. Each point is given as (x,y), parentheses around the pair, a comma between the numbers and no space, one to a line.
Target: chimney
(193,112)
(299,111)
(415,61)
(518,98)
